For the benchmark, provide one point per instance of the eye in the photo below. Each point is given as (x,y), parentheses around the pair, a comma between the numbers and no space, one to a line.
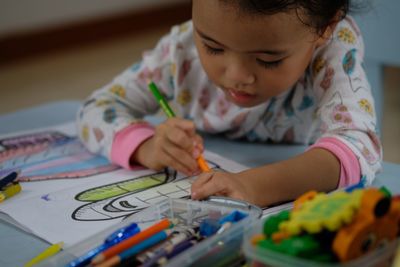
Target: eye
(269,64)
(212,50)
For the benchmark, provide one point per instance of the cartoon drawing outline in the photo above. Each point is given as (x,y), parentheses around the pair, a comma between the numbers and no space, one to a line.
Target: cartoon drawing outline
(122,199)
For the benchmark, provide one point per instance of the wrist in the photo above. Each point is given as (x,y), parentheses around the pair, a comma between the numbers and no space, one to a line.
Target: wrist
(249,186)
(141,154)
(264,184)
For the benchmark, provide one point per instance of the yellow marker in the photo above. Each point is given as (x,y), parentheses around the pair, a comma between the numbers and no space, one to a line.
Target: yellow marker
(47,253)
(9,191)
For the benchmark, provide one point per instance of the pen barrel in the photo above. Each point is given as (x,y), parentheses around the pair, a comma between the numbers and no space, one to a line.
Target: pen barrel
(139,237)
(161,100)
(47,253)
(167,110)
(170,114)
(11,177)
(154,239)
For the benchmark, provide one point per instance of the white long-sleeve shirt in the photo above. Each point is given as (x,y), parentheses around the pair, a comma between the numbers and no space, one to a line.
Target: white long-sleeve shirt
(331,106)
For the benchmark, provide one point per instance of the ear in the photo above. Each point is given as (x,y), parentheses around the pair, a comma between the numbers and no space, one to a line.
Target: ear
(327,33)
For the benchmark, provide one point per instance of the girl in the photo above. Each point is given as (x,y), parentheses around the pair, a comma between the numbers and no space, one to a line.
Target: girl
(276,70)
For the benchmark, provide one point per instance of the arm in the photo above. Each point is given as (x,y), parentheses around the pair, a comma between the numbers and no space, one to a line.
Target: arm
(316,169)
(111,122)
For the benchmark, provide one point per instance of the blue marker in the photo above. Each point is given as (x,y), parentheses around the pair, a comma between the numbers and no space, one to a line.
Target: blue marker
(351,188)
(209,227)
(8,179)
(111,240)
(233,217)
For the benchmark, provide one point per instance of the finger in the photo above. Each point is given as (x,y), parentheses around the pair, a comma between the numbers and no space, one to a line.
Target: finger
(185,125)
(202,179)
(180,138)
(212,187)
(181,157)
(176,165)
(198,143)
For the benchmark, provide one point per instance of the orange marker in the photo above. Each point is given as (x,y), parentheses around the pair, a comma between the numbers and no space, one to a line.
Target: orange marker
(129,242)
(203,164)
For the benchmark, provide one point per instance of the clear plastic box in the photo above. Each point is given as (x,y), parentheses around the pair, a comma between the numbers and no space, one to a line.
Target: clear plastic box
(383,256)
(215,249)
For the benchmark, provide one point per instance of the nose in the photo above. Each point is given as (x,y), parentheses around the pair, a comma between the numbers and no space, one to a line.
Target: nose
(239,74)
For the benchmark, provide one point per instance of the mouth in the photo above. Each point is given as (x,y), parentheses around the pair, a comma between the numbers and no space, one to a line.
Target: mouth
(240,97)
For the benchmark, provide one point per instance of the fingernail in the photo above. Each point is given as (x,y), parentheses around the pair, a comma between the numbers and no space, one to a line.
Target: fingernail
(194,194)
(199,146)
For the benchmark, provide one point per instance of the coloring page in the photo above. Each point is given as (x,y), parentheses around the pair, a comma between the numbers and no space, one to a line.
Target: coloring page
(70,194)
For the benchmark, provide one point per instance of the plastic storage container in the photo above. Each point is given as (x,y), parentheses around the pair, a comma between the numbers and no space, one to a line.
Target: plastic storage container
(259,257)
(219,249)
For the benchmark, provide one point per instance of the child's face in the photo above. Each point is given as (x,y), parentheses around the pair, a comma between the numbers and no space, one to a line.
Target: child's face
(251,58)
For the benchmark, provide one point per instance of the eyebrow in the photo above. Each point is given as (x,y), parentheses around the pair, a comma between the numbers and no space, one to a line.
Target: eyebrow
(270,52)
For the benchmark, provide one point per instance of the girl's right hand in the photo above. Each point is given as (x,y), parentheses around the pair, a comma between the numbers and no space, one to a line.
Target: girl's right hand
(175,144)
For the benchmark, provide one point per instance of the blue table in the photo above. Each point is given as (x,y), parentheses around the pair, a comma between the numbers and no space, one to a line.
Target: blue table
(17,247)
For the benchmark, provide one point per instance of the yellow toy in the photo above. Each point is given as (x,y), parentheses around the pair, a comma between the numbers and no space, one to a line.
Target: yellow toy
(323,212)
(340,226)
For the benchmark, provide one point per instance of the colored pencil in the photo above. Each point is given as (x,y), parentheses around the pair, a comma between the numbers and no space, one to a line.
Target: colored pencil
(129,242)
(113,239)
(48,252)
(131,253)
(174,239)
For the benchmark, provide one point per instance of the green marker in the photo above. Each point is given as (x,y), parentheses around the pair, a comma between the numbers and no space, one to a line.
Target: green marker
(170,114)
(161,100)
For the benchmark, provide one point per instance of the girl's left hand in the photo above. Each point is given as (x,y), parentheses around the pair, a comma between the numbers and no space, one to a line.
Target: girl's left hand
(220,184)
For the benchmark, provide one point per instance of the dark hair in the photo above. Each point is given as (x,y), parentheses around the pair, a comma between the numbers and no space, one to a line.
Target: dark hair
(320,13)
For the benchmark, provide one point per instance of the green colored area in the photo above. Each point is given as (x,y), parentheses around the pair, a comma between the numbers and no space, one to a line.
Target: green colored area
(117,189)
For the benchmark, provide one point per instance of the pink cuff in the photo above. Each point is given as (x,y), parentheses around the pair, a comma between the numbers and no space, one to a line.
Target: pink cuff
(350,172)
(127,141)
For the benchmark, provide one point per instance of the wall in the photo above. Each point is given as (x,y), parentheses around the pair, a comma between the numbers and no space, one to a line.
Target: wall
(30,15)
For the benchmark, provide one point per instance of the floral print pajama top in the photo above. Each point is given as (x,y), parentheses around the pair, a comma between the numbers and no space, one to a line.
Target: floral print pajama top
(330,107)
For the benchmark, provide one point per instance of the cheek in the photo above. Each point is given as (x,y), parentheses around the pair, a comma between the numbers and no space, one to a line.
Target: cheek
(277,81)
(288,74)
(212,66)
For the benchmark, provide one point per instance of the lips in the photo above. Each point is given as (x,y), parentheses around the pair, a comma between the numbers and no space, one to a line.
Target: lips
(240,97)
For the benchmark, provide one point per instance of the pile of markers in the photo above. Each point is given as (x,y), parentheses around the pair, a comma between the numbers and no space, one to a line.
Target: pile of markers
(9,186)
(336,227)
(155,245)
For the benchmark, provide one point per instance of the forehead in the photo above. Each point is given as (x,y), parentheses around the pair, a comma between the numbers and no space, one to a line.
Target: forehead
(226,24)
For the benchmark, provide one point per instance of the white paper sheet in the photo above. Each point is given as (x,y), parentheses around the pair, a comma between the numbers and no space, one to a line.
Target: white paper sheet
(72,209)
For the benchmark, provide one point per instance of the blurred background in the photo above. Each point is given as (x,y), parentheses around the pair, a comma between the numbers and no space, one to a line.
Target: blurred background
(64,49)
